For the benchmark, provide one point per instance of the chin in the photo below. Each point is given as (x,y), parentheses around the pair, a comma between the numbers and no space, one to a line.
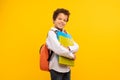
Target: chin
(61,27)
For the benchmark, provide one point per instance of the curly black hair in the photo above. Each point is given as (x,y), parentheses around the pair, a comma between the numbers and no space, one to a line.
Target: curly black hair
(60,10)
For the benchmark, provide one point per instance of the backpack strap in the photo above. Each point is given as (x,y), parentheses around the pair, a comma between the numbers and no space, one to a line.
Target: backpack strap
(50,54)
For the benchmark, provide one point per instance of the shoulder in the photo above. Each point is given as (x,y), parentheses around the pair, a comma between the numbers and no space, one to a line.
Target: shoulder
(52,32)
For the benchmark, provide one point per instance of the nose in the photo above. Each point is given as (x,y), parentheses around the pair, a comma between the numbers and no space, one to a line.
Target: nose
(63,21)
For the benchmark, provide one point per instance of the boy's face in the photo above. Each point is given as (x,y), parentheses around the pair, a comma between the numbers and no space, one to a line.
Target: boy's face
(60,21)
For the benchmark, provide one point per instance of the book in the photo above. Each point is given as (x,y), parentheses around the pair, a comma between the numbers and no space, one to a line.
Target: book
(66,40)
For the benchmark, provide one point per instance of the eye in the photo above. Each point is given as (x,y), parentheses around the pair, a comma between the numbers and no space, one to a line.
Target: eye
(65,20)
(59,18)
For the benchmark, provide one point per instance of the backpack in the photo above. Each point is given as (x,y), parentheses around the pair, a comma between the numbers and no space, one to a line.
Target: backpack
(45,56)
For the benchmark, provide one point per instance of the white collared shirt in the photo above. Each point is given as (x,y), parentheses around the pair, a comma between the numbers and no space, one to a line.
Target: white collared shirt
(54,45)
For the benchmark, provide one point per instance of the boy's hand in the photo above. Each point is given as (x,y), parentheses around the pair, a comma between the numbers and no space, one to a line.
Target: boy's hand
(68,48)
(74,57)
(73,53)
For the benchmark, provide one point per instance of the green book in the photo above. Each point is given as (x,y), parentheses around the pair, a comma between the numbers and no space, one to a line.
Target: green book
(66,61)
(65,40)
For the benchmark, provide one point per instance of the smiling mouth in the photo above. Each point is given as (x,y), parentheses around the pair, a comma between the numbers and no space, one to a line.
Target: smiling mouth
(61,24)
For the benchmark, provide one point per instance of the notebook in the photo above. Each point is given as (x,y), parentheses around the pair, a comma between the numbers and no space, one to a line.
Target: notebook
(66,40)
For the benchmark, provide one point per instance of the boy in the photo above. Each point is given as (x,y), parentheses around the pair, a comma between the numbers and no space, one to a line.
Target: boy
(58,71)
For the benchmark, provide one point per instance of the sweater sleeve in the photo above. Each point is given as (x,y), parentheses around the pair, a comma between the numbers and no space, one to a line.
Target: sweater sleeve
(54,45)
(74,48)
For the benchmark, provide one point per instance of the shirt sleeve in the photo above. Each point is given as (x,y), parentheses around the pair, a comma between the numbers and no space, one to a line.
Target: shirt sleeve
(74,48)
(54,45)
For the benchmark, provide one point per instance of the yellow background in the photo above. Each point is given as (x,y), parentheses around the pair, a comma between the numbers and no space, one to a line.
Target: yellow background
(94,24)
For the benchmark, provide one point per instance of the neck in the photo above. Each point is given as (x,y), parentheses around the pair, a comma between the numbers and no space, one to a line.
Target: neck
(59,29)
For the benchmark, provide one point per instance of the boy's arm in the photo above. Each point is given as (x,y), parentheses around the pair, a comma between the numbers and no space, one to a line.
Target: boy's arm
(56,47)
(74,48)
